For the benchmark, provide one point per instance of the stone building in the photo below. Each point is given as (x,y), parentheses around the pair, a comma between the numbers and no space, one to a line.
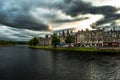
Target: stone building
(90,38)
(79,38)
(111,38)
(45,41)
(98,38)
(94,38)
(87,38)
(62,37)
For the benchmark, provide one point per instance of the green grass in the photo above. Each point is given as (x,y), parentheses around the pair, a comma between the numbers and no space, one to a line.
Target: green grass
(62,48)
(79,49)
(41,47)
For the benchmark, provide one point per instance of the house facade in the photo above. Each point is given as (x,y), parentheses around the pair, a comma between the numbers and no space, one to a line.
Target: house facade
(111,38)
(87,38)
(98,38)
(45,41)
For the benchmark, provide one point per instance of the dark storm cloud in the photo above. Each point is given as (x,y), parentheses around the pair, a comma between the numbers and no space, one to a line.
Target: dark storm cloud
(26,22)
(76,7)
(19,14)
(9,33)
(15,14)
(108,19)
(68,20)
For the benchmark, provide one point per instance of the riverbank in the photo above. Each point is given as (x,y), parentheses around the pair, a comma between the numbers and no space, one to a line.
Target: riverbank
(80,49)
(63,48)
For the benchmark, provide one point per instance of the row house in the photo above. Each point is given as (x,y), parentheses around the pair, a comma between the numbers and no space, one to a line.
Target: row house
(63,35)
(97,38)
(79,38)
(89,38)
(94,38)
(45,41)
(111,38)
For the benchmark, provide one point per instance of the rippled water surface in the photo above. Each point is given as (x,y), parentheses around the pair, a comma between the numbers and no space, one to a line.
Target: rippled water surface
(22,63)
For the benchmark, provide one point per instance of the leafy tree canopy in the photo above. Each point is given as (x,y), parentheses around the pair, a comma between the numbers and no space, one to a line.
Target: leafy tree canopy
(69,39)
(55,40)
(34,41)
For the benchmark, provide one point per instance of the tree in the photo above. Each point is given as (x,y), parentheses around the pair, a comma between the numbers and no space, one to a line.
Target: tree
(55,40)
(3,42)
(69,39)
(34,41)
(30,42)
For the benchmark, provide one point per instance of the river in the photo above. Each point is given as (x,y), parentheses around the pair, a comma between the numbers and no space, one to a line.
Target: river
(22,63)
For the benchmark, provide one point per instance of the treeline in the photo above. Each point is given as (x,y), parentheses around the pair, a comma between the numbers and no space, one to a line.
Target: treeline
(4,42)
(21,42)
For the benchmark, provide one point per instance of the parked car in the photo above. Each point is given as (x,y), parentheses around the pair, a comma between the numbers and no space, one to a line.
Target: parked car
(69,45)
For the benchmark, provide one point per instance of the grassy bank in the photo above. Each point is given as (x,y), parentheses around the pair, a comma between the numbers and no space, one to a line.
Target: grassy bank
(80,49)
(63,48)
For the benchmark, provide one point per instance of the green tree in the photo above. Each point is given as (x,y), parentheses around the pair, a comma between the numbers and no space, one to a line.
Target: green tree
(55,40)
(69,39)
(30,42)
(34,41)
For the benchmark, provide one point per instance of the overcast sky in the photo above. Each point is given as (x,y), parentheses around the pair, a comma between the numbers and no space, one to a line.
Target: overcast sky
(24,19)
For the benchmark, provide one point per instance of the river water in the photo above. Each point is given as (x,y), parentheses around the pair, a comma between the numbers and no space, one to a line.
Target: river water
(22,63)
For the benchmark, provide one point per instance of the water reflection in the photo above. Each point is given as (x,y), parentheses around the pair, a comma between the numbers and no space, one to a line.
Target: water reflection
(70,66)
(22,63)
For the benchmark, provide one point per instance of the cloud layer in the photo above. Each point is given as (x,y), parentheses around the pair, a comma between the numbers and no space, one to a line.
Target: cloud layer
(19,17)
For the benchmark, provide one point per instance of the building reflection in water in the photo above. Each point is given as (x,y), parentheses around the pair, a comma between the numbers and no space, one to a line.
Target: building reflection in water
(75,66)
